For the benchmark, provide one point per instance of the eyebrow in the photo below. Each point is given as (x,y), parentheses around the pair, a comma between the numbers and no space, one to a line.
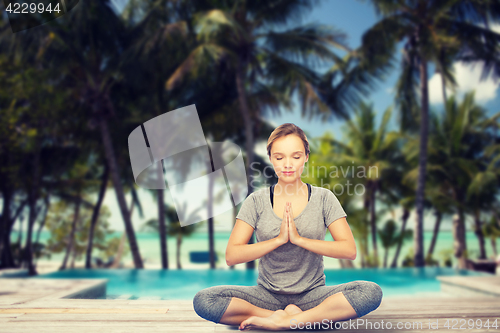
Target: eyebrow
(295,152)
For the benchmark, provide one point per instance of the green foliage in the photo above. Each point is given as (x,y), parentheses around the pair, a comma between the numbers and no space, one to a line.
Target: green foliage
(174,226)
(430,261)
(390,237)
(447,257)
(408,259)
(491,229)
(59,223)
(370,260)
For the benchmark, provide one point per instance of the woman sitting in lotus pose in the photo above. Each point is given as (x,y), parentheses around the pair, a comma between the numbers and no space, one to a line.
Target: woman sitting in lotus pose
(290,220)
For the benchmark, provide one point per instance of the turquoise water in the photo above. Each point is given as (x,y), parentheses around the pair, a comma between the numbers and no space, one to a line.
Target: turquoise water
(149,247)
(184,284)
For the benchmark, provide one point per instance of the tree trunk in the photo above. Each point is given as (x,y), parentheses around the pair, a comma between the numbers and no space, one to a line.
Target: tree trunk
(443,83)
(178,256)
(386,252)
(366,205)
(162,230)
(33,197)
(70,245)
(404,218)
(479,233)
(235,212)
(119,254)
(7,261)
(459,244)
(373,219)
(494,246)
(422,164)
(95,215)
(435,233)
(73,256)
(245,112)
(211,249)
(115,178)
(363,261)
(344,263)
(47,206)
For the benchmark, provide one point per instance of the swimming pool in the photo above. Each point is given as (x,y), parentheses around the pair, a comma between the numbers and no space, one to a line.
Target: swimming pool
(184,284)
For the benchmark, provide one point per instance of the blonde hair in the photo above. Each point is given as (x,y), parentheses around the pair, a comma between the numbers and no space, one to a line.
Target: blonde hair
(284,130)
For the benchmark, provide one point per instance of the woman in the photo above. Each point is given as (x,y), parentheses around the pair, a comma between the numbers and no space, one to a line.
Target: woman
(290,220)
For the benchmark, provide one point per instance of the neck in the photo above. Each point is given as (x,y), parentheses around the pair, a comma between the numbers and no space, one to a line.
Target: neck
(290,188)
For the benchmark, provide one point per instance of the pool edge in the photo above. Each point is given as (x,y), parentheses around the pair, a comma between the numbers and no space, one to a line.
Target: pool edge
(93,291)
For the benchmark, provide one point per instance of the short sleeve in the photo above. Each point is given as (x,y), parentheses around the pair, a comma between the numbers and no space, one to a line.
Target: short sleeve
(332,209)
(248,210)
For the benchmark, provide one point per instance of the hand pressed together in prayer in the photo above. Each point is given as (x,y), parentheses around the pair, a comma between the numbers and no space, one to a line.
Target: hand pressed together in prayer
(288,230)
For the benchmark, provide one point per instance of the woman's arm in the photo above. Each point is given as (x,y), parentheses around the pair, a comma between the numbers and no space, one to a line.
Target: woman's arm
(239,251)
(344,246)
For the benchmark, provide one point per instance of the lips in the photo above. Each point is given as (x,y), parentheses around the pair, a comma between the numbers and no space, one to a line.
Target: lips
(288,173)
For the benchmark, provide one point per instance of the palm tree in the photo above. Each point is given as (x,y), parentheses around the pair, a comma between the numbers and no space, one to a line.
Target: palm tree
(483,189)
(370,148)
(234,41)
(90,50)
(175,229)
(492,231)
(457,158)
(95,214)
(390,237)
(236,37)
(427,28)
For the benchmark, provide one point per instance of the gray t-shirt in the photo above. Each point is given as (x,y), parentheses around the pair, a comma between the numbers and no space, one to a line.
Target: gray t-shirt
(290,269)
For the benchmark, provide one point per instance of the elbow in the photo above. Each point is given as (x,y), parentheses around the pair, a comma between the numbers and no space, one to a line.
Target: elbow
(229,262)
(229,259)
(353,254)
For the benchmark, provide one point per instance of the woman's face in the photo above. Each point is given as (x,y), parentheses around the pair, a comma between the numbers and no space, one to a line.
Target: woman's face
(288,157)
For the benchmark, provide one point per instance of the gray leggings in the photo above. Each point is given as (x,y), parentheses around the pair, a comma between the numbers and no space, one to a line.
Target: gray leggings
(211,303)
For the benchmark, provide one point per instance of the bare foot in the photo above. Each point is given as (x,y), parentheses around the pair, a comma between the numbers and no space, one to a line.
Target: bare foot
(276,322)
(292,309)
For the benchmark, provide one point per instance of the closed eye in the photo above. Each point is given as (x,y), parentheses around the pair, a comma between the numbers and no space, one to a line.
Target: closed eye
(294,157)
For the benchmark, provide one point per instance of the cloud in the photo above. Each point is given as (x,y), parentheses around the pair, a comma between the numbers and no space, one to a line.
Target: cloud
(495,27)
(467,77)
(261,149)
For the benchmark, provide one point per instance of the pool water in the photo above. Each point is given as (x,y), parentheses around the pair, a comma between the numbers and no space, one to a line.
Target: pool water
(184,284)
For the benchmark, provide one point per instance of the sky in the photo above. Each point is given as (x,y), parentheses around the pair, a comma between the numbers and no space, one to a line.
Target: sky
(353,18)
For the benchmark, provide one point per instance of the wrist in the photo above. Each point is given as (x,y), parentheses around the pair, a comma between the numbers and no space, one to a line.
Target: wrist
(279,241)
(299,240)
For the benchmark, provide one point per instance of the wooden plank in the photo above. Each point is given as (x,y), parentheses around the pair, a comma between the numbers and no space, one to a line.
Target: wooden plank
(151,298)
(59,317)
(111,324)
(150,326)
(112,329)
(98,310)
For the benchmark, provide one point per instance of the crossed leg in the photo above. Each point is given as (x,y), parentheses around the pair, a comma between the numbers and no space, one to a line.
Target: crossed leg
(334,308)
(240,310)
(336,303)
(257,307)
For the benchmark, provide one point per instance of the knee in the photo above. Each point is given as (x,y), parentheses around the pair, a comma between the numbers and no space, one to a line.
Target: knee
(208,304)
(201,302)
(376,293)
(372,293)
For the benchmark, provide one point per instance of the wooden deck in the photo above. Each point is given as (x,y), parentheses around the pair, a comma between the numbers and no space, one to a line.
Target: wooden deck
(38,306)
